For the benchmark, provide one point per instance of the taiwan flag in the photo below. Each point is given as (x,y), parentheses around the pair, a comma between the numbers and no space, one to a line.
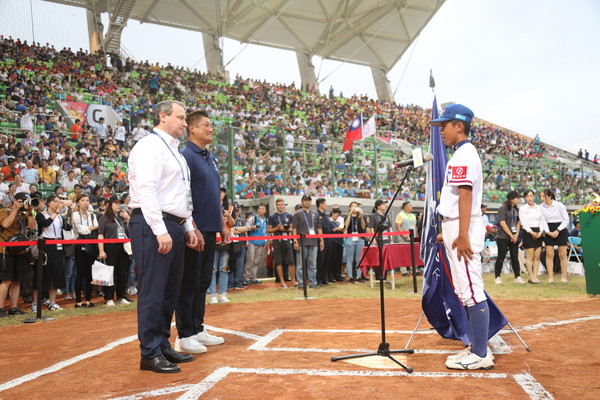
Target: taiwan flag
(359,131)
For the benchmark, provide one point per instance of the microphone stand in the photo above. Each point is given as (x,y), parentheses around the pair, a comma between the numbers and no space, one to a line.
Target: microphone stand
(384,348)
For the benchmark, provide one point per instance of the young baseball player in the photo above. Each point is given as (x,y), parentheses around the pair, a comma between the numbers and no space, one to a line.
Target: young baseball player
(463,233)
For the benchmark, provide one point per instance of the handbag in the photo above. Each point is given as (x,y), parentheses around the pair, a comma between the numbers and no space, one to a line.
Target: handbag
(102,274)
(16,250)
(127,248)
(91,249)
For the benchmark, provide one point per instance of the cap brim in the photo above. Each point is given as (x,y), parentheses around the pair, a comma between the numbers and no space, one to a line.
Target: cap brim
(438,122)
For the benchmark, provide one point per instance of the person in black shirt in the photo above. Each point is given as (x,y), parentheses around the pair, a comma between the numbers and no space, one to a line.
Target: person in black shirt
(280,224)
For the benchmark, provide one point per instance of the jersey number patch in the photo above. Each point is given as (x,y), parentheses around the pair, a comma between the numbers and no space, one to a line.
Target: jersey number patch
(459,173)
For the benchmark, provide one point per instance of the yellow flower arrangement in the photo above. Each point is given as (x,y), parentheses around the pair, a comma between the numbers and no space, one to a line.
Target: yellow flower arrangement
(591,208)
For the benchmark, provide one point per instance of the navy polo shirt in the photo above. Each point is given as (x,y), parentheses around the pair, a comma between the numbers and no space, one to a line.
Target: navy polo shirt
(205,183)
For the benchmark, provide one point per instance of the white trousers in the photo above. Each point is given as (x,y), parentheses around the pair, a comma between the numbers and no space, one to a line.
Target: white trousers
(466,274)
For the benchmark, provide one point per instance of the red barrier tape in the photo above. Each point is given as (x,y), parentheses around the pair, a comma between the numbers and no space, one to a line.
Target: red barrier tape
(233,239)
(62,241)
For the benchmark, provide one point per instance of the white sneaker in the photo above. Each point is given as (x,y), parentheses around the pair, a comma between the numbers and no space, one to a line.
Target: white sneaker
(472,362)
(33,307)
(68,297)
(223,298)
(54,307)
(463,353)
(189,345)
(58,292)
(132,290)
(213,299)
(207,339)
(520,281)
(498,281)
(110,303)
(123,301)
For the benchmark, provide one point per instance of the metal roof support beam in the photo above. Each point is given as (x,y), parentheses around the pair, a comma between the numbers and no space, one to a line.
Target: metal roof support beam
(213,54)
(307,72)
(95,30)
(382,84)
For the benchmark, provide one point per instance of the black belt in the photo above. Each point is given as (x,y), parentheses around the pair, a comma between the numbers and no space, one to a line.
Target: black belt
(170,217)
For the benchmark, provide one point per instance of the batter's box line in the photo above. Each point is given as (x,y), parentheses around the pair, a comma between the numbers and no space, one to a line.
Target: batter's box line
(192,392)
(498,345)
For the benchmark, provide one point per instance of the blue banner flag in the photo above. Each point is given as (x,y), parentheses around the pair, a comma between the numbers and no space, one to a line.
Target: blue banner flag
(441,305)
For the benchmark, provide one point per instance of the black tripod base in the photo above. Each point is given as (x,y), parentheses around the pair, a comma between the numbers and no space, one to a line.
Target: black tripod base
(383,351)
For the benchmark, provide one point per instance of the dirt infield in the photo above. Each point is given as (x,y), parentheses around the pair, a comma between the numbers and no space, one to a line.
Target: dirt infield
(282,350)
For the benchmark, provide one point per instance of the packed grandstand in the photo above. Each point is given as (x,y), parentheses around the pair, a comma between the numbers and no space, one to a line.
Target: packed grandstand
(271,138)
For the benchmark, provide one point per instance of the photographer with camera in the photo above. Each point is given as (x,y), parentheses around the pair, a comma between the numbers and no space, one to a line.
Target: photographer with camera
(355,223)
(283,254)
(14,222)
(50,226)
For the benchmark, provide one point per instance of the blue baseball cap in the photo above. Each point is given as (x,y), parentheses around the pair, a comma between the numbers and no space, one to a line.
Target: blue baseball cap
(454,111)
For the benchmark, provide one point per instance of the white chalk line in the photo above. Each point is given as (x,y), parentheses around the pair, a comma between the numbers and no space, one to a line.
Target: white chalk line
(66,363)
(260,344)
(532,387)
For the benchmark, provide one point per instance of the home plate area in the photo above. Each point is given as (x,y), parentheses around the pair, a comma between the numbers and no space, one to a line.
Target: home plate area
(97,357)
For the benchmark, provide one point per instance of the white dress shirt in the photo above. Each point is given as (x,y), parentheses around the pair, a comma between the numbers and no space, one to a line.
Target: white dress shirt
(530,217)
(159,180)
(554,213)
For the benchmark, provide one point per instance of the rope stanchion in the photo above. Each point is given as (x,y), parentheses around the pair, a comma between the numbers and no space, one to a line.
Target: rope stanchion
(41,243)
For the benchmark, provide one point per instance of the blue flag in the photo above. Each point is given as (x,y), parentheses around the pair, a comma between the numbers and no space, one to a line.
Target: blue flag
(441,305)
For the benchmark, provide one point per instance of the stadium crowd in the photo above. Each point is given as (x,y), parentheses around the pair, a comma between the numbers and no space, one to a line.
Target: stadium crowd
(282,141)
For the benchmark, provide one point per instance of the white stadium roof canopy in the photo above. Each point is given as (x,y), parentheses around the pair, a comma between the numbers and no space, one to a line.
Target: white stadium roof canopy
(374,33)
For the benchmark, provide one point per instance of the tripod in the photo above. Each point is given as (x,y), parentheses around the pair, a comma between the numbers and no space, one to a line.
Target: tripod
(384,348)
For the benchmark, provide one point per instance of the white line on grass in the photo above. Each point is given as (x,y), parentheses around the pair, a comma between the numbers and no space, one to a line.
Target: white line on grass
(66,363)
(532,387)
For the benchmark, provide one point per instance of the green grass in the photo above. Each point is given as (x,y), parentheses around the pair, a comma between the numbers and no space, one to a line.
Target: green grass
(404,290)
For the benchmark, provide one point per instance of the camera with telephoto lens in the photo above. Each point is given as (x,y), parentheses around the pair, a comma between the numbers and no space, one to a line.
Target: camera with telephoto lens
(31,202)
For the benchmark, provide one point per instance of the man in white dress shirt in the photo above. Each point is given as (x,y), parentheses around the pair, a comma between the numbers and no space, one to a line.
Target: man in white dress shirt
(160,227)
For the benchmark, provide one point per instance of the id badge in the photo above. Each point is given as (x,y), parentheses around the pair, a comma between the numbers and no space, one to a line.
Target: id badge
(513,229)
(190,203)
(59,246)
(311,231)
(355,238)
(121,233)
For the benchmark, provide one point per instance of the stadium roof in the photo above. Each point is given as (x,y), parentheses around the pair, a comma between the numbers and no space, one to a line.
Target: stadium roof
(367,32)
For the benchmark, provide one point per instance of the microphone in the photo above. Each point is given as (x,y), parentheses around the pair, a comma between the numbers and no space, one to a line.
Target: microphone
(426,158)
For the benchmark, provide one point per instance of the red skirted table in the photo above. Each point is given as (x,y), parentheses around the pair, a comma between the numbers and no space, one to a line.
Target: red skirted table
(394,256)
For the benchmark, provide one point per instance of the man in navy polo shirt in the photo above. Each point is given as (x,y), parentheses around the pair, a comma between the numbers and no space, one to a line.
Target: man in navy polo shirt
(208,218)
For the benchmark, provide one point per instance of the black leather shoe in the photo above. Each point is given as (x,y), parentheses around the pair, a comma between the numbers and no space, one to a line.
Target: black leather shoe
(175,357)
(159,365)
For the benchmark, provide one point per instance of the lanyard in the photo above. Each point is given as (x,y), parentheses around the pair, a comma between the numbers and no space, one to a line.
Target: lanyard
(306,219)
(59,218)
(86,219)
(176,158)
(354,224)
(22,225)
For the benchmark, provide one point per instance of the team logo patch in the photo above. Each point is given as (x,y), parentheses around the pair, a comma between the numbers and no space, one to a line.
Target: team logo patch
(459,173)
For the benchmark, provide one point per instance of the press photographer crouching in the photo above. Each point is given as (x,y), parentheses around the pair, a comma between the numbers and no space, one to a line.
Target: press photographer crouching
(14,222)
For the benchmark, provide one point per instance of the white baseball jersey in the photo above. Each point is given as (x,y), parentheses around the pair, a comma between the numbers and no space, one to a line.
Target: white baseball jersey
(464,168)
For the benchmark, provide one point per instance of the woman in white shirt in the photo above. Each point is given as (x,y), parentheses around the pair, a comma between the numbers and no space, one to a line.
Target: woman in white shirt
(85,224)
(554,223)
(530,216)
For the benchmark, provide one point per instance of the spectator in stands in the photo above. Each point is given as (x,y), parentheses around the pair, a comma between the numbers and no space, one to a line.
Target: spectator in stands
(10,170)
(100,129)
(27,121)
(76,130)
(29,174)
(46,173)
(554,222)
